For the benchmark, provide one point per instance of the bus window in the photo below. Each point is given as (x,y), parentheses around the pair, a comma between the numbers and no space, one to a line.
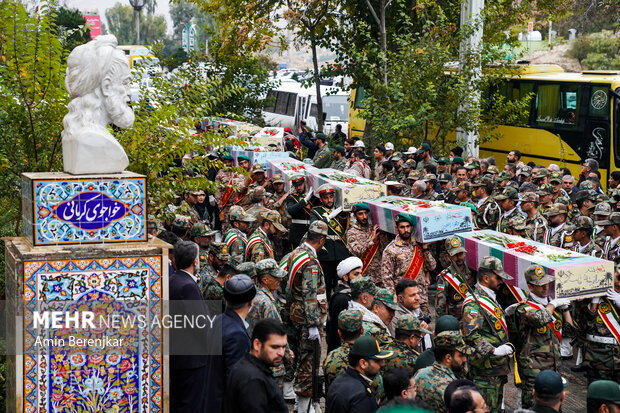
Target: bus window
(599,101)
(336,108)
(292,102)
(281,102)
(312,111)
(557,105)
(616,134)
(271,101)
(360,95)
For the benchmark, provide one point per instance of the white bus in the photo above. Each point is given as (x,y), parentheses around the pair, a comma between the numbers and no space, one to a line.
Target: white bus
(291,103)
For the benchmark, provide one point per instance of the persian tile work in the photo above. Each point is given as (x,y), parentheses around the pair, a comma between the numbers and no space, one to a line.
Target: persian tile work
(115,378)
(81,210)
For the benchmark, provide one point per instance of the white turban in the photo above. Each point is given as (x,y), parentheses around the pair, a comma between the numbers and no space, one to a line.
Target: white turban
(348,265)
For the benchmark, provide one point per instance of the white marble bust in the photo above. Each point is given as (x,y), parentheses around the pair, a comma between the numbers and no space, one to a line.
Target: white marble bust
(98,79)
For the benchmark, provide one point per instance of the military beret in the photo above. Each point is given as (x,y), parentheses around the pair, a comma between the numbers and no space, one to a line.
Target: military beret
(405,218)
(243,158)
(360,206)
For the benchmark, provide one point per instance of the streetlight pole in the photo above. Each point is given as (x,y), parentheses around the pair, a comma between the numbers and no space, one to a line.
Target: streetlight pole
(137,7)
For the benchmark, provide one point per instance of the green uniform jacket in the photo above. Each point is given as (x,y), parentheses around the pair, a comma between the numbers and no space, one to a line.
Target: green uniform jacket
(339,164)
(448,300)
(308,299)
(337,362)
(404,356)
(323,157)
(432,382)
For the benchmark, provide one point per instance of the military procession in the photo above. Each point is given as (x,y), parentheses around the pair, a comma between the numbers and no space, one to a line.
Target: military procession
(338,302)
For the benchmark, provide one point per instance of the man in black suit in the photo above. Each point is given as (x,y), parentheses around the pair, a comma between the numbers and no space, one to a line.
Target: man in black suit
(188,360)
(238,294)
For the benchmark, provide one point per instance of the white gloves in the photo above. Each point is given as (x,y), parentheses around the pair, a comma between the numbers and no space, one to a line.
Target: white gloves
(560,302)
(614,297)
(309,194)
(334,213)
(212,200)
(313,334)
(503,350)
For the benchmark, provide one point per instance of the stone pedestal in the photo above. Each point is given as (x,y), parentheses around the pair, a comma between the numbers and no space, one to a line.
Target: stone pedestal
(85,250)
(53,377)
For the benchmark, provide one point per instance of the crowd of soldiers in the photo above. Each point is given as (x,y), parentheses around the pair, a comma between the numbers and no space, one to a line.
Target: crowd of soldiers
(333,275)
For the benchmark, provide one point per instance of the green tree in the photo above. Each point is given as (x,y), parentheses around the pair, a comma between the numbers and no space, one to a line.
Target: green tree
(121,24)
(71,27)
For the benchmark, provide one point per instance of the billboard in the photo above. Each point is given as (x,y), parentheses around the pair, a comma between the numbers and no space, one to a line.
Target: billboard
(94,22)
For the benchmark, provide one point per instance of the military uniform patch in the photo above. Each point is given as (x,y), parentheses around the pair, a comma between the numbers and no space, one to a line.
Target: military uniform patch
(541,330)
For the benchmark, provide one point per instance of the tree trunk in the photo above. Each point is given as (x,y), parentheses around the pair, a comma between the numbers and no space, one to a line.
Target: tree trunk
(383,31)
(317,82)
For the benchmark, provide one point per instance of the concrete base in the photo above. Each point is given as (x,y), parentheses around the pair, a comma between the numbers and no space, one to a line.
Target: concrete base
(48,377)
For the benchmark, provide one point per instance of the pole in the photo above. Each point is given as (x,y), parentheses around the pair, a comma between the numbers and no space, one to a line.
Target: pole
(136,14)
(550,26)
(471,11)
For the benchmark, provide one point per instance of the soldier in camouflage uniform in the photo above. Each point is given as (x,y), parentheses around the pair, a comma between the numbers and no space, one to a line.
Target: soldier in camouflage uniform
(336,244)
(540,325)
(218,256)
(407,338)
(236,237)
(507,202)
(537,228)
(484,328)
(257,206)
(232,188)
(516,226)
(203,236)
(584,244)
(307,303)
(214,287)
(259,179)
(181,226)
(366,242)
(339,160)
(299,205)
(451,359)
(545,198)
(404,258)
(260,244)
(585,201)
(377,321)
(555,179)
(488,210)
(561,230)
(611,247)
(602,343)
(454,282)
(337,361)
(187,206)
(601,212)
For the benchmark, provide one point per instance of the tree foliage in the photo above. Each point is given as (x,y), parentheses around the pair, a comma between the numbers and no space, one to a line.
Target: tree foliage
(72,27)
(122,25)
(598,50)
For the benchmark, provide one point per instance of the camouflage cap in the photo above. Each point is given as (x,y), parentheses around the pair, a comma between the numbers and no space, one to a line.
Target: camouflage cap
(586,185)
(414,175)
(508,193)
(517,223)
(492,169)
(461,186)
(525,170)
(219,250)
(363,285)
(443,159)
(452,339)
(200,229)
(512,184)
(237,213)
(350,320)
(396,157)
(248,268)
(271,267)
(585,194)
(472,165)
(257,193)
(613,219)
(536,275)
(602,208)
(409,322)
(275,218)
(182,221)
(495,266)
(584,222)
(257,168)
(602,198)
(410,163)
(555,177)
(503,176)
(319,227)
(387,297)
(277,179)
(529,197)
(430,177)
(445,177)
(541,173)
(454,245)
(544,189)
(557,209)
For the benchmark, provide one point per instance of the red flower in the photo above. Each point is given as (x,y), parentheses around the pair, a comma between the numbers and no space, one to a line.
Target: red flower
(125,365)
(96,358)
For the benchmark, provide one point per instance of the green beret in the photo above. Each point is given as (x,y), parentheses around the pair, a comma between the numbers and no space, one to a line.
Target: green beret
(405,218)
(227,157)
(360,206)
(243,158)
(340,149)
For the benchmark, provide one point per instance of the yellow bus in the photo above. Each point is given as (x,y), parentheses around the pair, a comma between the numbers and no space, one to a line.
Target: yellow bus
(572,116)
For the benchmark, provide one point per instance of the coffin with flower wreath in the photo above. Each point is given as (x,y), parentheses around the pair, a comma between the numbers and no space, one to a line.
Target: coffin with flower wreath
(261,157)
(576,275)
(287,167)
(350,189)
(434,220)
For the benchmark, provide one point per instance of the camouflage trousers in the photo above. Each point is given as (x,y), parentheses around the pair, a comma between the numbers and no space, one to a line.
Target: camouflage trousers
(304,357)
(527,386)
(492,389)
